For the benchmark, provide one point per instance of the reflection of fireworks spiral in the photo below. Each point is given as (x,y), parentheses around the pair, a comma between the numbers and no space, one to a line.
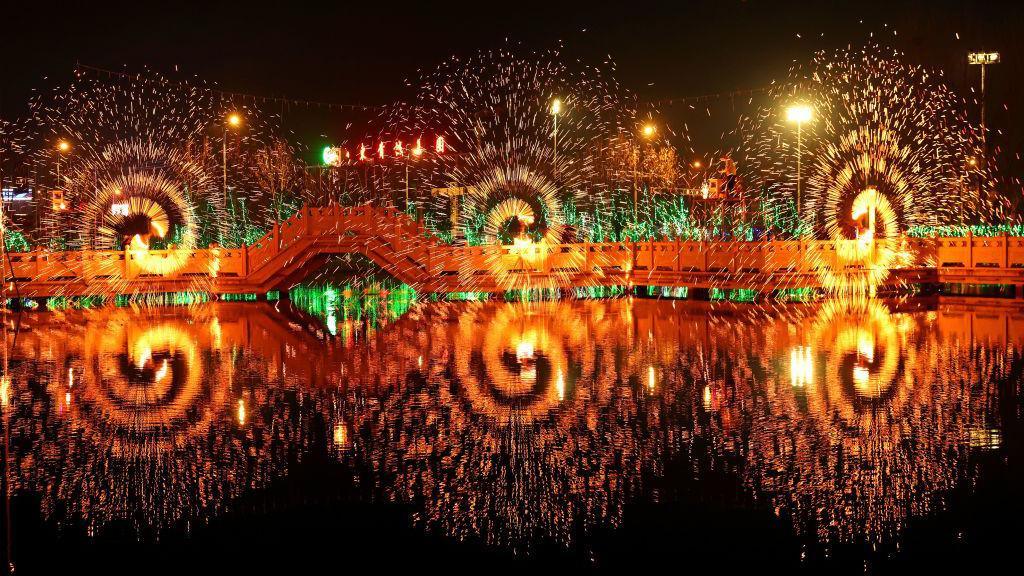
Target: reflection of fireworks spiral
(523,382)
(865,360)
(177,439)
(519,371)
(848,424)
(150,399)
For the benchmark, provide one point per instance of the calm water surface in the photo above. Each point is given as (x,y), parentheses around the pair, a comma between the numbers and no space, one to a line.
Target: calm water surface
(609,434)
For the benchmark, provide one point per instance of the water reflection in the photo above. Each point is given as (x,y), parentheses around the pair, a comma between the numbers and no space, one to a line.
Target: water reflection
(140,415)
(523,424)
(513,423)
(875,428)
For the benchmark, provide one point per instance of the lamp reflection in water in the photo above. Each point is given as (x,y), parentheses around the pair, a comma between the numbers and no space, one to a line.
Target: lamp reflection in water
(801,366)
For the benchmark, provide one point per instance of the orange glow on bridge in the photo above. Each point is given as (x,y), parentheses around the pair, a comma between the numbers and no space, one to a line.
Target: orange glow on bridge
(403,249)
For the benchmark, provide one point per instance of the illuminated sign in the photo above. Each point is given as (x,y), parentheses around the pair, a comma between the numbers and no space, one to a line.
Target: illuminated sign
(57,200)
(383,150)
(331,156)
(17,195)
(983,58)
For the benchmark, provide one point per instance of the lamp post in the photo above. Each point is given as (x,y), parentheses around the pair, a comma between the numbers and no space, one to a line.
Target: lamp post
(556,109)
(972,164)
(983,59)
(63,147)
(414,154)
(647,131)
(233,120)
(798,113)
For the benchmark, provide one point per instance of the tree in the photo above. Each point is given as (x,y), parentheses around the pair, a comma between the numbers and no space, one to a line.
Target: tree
(277,172)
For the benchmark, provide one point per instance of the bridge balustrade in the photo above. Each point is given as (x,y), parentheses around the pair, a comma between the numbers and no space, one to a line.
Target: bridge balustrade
(979,252)
(400,245)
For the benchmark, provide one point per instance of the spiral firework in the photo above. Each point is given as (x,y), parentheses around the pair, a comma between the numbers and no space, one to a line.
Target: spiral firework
(155,146)
(135,194)
(886,147)
(525,138)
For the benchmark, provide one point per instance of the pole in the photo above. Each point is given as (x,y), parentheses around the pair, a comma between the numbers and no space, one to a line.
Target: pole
(3,268)
(984,144)
(54,224)
(799,153)
(636,186)
(962,185)
(224,198)
(555,137)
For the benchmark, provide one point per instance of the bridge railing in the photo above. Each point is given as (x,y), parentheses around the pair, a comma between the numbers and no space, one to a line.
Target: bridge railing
(980,252)
(91,266)
(420,257)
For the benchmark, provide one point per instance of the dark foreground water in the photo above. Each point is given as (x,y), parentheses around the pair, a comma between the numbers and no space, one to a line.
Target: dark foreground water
(618,434)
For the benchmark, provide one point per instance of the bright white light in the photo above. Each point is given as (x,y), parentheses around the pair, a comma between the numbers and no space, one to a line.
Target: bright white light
(798,113)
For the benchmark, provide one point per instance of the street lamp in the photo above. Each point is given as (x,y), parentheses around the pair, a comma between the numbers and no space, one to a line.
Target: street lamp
(647,131)
(983,59)
(60,148)
(414,154)
(556,109)
(972,165)
(798,113)
(63,147)
(232,120)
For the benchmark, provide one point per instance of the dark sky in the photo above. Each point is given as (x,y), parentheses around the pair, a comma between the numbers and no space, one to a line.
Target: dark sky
(361,51)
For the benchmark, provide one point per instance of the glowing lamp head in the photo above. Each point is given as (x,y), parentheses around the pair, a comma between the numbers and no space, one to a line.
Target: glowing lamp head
(63,146)
(798,113)
(648,130)
(556,107)
(234,119)
(697,164)
(331,156)
(972,162)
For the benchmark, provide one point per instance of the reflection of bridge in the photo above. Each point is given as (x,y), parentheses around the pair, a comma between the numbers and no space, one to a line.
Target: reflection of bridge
(289,252)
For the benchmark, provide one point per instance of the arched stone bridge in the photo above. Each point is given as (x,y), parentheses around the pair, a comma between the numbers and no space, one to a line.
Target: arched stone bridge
(402,248)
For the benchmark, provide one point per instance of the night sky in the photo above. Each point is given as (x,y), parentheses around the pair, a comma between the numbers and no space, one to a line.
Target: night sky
(360,52)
